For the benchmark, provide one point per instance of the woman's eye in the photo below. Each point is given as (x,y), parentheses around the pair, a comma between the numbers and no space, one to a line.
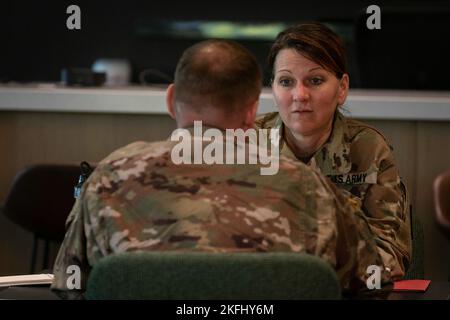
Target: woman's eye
(316,81)
(285,82)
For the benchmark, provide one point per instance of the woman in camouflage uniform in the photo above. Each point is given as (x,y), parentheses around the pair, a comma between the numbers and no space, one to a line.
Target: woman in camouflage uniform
(310,83)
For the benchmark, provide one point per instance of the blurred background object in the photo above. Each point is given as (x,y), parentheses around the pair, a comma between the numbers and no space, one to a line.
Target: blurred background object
(82,77)
(409,52)
(441,190)
(117,71)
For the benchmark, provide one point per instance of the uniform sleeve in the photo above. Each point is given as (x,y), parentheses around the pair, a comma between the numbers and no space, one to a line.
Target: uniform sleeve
(356,248)
(386,206)
(71,267)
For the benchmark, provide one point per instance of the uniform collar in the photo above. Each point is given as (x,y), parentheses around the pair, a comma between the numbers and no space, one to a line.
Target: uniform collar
(334,156)
(229,139)
(205,127)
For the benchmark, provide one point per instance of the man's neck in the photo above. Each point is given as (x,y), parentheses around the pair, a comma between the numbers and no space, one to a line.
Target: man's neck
(213,122)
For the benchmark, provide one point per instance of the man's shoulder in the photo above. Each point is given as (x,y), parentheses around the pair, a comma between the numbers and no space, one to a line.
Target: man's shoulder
(267,120)
(139,149)
(134,156)
(295,172)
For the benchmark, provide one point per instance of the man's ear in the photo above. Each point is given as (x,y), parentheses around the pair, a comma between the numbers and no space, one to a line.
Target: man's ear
(169,100)
(250,114)
(343,89)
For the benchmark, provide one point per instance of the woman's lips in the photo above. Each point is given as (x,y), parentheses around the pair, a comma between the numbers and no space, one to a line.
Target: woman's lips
(302,111)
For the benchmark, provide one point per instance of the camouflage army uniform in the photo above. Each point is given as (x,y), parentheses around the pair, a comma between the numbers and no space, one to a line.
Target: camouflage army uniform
(358,159)
(138,199)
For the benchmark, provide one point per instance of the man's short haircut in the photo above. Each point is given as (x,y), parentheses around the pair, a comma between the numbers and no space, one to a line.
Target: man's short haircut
(218,73)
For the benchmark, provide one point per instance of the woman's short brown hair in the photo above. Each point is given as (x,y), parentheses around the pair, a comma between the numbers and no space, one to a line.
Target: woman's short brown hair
(316,42)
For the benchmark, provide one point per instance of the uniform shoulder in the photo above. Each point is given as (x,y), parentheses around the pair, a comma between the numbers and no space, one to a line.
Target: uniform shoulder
(134,149)
(130,159)
(266,120)
(368,140)
(358,129)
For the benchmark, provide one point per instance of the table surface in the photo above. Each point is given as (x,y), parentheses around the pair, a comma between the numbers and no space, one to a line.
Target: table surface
(436,291)
(41,292)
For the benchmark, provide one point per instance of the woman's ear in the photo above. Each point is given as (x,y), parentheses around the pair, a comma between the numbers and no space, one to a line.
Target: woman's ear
(169,100)
(343,89)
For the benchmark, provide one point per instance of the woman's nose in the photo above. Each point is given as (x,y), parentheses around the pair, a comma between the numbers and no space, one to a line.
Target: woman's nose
(301,93)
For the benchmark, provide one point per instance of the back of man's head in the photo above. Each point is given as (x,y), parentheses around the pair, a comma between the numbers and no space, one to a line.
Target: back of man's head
(217,74)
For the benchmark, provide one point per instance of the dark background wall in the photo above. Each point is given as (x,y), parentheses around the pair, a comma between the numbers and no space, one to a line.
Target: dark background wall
(410,51)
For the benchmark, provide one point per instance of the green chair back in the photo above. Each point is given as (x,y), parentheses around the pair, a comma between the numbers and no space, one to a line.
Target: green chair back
(212,276)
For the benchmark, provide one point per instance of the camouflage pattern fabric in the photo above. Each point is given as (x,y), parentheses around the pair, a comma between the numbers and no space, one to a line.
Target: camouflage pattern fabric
(138,199)
(357,159)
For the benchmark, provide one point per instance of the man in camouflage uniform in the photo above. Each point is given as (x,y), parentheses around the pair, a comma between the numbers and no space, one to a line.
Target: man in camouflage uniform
(139,199)
(358,159)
